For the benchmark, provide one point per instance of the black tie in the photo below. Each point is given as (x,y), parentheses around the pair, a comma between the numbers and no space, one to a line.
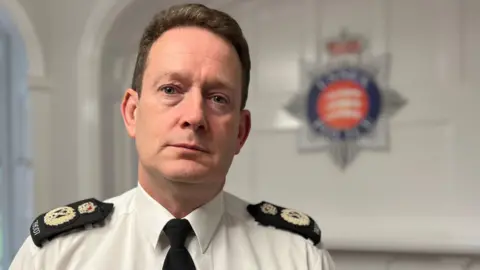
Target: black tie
(178,257)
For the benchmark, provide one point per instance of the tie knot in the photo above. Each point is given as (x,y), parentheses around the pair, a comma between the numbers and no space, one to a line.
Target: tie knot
(177,231)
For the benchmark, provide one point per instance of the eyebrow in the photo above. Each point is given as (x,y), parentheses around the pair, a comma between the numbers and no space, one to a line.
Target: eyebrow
(217,83)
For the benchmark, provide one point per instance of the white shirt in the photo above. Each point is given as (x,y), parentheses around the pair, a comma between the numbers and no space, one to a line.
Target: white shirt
(225,236)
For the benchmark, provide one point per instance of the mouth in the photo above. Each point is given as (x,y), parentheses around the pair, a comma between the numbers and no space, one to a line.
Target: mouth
(191,147)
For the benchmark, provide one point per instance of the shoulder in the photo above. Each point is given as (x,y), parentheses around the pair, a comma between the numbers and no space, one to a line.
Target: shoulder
(75,218)
(58,232)
(271,216)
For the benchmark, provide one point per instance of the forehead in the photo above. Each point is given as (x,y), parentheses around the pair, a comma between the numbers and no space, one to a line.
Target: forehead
(196,46)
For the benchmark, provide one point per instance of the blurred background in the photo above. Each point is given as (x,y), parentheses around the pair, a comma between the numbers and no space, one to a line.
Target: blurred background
(409,197)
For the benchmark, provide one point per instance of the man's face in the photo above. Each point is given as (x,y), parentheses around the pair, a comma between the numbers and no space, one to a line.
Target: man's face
(187,123)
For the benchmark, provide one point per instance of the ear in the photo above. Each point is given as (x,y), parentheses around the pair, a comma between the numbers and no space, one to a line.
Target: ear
(244,129)
(129,111)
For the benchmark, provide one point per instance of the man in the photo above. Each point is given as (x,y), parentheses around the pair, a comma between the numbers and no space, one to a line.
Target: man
(186,112)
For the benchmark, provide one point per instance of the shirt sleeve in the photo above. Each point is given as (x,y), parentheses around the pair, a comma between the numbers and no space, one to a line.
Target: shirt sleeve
(23,260)
(320,259)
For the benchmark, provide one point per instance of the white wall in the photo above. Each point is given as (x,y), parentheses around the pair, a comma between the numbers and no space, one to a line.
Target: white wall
(439,60)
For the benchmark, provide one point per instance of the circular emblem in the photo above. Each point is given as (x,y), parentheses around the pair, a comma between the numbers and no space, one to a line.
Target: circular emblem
(59,216)
(269,209)
(87,208)
(295,217)
(344,104)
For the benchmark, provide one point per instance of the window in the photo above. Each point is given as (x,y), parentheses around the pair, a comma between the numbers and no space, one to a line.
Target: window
(16,194)
(4,204)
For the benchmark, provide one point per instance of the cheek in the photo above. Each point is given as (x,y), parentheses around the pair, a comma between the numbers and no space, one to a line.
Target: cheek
(228,130)
(151,125)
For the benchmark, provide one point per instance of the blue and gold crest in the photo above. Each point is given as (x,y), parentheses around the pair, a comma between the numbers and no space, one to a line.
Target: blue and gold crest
(346,103)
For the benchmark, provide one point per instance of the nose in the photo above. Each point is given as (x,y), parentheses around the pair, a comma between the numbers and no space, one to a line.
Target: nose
(194,111)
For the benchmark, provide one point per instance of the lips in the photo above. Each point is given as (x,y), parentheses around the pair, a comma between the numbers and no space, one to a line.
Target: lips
(194,147)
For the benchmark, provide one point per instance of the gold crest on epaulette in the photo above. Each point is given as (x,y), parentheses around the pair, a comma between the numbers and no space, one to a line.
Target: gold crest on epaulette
(59,216)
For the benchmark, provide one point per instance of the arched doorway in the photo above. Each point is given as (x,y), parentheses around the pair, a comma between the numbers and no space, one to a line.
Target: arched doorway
(103,65)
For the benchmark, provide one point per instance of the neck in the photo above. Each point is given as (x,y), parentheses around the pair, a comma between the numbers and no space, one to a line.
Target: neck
(179,198)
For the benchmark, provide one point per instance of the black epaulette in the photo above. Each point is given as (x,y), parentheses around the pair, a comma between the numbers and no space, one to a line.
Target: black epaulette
(75,216)
(286,219)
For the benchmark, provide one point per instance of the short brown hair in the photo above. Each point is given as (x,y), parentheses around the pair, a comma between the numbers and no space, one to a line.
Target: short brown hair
(197,15)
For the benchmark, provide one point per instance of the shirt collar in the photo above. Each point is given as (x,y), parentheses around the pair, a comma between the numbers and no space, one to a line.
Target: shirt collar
(205,220)
(152,217)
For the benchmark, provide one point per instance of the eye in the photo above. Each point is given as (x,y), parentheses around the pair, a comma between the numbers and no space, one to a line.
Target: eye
(219,99)
(169,90)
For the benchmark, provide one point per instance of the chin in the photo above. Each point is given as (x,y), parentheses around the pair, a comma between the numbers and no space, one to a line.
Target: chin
(186,171)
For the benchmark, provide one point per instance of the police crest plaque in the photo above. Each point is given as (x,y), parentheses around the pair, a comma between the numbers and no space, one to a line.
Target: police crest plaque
(346,103)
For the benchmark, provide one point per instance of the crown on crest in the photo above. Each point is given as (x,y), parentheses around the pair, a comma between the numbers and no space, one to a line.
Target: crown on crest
(345,43)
